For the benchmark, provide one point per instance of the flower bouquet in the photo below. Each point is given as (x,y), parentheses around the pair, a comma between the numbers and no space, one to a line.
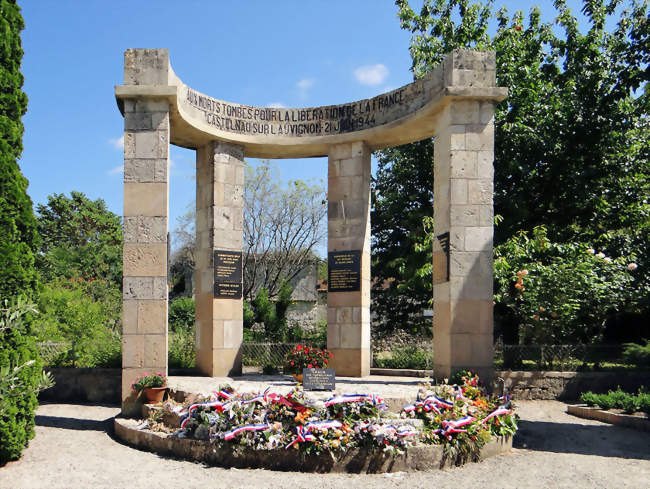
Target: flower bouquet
(303,356)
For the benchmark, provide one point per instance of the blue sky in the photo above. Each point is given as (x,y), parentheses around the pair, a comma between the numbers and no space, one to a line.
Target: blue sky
(289,53)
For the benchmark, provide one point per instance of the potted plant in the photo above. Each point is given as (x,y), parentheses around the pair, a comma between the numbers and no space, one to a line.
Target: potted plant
(153,385)
(303,356)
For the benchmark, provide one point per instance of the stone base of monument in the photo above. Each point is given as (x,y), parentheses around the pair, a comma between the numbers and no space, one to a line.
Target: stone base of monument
(360,460)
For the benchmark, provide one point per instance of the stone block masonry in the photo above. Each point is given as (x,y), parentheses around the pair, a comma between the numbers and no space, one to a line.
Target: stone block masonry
(146,158)
(348,221)
(219,218)
(454,102)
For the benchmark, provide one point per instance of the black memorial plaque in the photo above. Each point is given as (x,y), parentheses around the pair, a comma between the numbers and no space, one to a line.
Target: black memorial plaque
(344,271)
(227,274)
(318,379)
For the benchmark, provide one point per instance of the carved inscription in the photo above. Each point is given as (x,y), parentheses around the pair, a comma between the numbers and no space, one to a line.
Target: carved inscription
(227,274)
(344,271)
(315,121)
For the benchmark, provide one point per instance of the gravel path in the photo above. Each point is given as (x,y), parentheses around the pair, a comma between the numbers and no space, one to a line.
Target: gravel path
(73,448)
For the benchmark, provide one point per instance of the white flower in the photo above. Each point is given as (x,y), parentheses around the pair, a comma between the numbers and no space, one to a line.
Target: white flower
(601,255)
(591,251)
(607,259)
(632,266)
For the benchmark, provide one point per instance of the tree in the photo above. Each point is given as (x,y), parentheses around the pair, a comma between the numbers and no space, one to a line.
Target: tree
(81,238)
(18,244)
(571,140)
(18,233)
(402,199)
(282,226)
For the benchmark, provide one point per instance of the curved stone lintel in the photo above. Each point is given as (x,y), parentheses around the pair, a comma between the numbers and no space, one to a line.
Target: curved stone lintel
(397,117)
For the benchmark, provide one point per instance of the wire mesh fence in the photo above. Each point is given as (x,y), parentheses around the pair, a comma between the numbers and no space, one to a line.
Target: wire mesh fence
(559,357)
(267,354)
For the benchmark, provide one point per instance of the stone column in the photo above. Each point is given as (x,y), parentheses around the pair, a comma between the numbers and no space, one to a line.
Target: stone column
(219,225)
(348,220)
(144,317)
(463,212)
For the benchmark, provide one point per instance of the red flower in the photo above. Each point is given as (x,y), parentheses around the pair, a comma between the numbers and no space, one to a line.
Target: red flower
(292,363)
(331,355)
(310,366)
(298,347)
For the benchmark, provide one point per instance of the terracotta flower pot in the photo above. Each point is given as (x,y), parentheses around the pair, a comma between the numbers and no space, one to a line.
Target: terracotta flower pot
(154,395)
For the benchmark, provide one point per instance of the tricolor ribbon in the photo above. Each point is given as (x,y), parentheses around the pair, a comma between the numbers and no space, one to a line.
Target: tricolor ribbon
(457,423)
(346,398)
(497,412)
(324,425)
(185,417)
(302,435)
(229,435)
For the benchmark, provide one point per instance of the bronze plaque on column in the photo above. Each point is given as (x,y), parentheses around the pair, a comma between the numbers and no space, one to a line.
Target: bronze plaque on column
(441,260)
(344,271)
(227,274)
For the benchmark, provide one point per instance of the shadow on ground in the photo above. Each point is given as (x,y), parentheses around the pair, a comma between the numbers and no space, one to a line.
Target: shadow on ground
(75,423)
(601,440)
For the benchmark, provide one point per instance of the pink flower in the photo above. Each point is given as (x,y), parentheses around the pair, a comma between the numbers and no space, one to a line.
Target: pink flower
(632,266)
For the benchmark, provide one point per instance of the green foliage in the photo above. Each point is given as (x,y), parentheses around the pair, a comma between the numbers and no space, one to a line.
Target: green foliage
(249,315)
(181,350)
(407,357)
(273,315)
(402,196)
(85,315)
(571,146)
(149,380)
(619,399)
(20,379)
(558,293)
(181,314)
(18,234)
(638,355)
(81,238)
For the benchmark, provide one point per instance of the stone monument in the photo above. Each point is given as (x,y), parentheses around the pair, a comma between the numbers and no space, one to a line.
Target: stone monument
(454,103)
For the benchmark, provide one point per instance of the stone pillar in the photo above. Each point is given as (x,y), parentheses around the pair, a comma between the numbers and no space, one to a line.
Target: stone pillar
(348,220)
(144,317)
(463,213)
(219,225)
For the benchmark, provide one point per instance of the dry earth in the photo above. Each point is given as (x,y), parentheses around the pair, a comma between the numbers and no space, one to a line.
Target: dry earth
(74,448)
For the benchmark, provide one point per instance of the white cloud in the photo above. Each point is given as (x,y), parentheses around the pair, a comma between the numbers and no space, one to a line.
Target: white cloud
(371,74)
(117,143)
(116,170)
(276,105)
(305,83)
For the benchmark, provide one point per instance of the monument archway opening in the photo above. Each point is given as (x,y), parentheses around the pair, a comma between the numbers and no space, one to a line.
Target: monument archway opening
(454,103)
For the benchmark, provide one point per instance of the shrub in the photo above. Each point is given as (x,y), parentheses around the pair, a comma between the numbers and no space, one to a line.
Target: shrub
(589,398)
(407,357)
(604,401)
(71,312)
(181,353)
(636,354)
(557,293)
(181,314)
(19,360)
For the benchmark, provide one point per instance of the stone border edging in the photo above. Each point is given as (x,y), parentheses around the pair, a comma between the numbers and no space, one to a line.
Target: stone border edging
(619,419)
(359,460)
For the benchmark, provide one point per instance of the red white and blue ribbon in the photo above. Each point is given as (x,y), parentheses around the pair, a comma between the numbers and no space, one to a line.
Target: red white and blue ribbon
(498,412)
(186,416)
(324,425)
(457,423)
(302,435)
(346,398)
(229,435)
(223,394)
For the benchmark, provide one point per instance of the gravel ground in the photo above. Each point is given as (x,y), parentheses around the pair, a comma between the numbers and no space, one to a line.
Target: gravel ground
(74,448)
